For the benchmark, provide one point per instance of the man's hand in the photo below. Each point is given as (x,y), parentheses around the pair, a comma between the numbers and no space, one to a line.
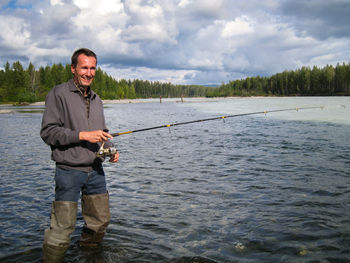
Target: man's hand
(94,136)
(114,158)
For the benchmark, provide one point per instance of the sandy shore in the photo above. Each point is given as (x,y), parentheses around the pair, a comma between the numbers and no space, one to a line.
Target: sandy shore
(5,111)
(128,101)
(153,100)
(185,100)
(158,100)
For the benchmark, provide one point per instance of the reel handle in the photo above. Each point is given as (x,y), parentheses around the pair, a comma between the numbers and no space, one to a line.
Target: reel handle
(106,152)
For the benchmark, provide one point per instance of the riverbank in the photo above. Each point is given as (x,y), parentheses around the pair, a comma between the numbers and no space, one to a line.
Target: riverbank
(11,108)
(128,101)
(161,100)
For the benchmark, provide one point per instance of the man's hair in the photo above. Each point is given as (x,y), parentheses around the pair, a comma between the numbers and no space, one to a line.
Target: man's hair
(85,51)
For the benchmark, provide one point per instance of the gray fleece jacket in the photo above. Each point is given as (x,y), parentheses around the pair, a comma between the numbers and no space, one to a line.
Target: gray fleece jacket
(64,117)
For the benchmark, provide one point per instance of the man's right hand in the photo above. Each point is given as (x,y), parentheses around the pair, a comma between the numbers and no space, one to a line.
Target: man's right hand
(94,136)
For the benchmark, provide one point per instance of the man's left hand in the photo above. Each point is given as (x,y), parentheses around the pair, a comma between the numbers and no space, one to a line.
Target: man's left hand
(114,158)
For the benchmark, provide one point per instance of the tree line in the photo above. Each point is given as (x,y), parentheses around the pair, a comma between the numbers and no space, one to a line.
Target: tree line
(18,84)
(315,81)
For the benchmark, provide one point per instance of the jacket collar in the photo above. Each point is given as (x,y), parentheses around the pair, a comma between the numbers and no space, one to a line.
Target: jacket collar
(73,88)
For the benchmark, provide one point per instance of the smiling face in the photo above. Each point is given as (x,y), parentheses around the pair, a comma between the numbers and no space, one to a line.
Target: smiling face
(84,71)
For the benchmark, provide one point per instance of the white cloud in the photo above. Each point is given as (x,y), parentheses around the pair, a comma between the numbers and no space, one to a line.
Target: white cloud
(240,26)
(184,3)
(96,15)
(15,32)
(150,23)
(56,2)
(209,7)
(144,73)
(185,41)
(101,7)
(203,62)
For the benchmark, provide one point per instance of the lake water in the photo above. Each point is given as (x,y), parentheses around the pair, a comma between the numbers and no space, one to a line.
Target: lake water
(260,188)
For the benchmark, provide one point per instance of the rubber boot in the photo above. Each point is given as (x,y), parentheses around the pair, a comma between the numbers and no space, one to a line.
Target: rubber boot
(95,211)
(57,238)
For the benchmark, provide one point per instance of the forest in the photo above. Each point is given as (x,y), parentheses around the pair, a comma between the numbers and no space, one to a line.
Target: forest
(326,81)
(18,85)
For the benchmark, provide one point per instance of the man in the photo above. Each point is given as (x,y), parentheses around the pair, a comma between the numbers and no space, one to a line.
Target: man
(74,126)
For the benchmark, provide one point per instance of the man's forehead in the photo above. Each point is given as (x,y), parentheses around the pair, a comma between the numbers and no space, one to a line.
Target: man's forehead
(82,59)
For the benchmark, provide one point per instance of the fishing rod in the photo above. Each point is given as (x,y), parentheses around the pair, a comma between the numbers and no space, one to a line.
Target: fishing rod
(211,119)
(104,152)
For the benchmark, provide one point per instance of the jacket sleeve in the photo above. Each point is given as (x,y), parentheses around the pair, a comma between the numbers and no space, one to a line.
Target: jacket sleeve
(52,130)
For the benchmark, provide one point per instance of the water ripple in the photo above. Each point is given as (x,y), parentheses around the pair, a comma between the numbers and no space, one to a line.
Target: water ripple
(247,190)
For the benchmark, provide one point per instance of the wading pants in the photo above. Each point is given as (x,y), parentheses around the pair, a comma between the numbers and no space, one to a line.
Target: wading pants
(95,210)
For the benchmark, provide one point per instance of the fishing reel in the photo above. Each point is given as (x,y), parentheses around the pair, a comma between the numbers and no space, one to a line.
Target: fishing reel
(106,152)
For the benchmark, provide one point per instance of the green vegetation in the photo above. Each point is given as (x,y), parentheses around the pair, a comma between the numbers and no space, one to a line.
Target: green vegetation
(19,85)
(29,85)
(327,81)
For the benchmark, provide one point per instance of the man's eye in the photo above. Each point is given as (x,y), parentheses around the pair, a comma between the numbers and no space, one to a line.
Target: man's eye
(86,68)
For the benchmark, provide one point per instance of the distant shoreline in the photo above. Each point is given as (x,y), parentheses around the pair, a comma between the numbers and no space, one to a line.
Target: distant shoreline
(7,107)
(149,100)
(38,107)
(184,100)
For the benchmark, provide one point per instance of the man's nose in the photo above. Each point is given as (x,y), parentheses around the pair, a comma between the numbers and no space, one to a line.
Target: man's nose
(89,72)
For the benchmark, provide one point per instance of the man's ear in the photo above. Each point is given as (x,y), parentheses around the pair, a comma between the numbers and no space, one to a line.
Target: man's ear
(72,68)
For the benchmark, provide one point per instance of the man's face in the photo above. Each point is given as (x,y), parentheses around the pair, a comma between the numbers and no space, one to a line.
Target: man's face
(85,70)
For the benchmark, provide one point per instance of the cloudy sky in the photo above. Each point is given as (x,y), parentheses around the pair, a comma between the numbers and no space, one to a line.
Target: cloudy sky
(179,41)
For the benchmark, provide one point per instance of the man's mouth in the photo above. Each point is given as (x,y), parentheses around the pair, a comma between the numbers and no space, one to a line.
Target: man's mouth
(87,79)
